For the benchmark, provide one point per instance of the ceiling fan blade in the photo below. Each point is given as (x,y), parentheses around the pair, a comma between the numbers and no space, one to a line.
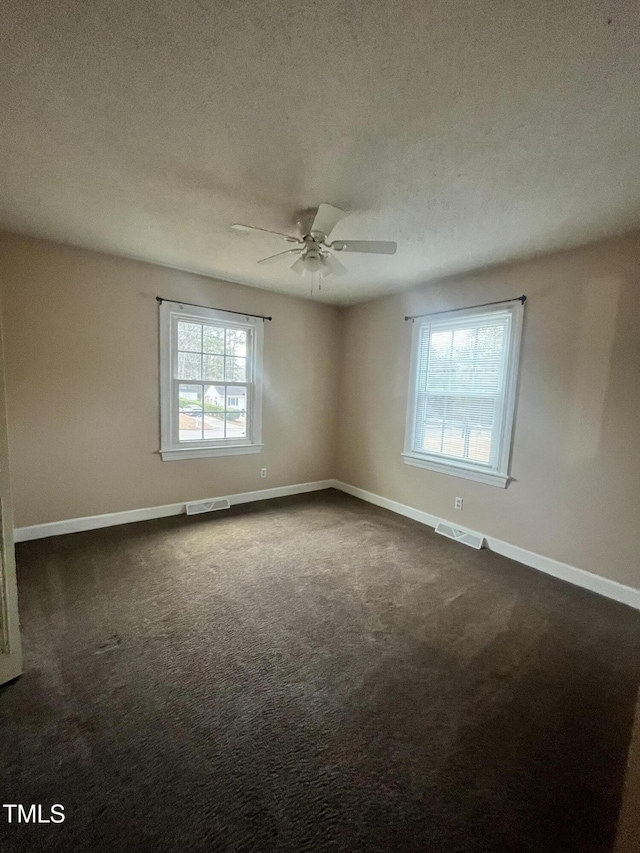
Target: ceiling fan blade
(272,258)
(299,267)
(326,219)
(238,226)
(374,247)
(334,266)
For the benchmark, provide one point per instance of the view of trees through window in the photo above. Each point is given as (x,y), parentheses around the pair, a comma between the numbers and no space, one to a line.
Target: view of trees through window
(211,367)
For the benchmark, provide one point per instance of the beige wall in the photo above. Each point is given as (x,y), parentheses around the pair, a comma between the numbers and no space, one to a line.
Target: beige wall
(81,338)
(81,350)
(575,495)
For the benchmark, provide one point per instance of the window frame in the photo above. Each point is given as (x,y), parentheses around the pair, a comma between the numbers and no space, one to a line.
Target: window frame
(496,474)
(170,445)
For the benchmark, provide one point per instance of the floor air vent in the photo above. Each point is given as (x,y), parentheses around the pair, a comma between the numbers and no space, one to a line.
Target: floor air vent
(207,506)
(474,540)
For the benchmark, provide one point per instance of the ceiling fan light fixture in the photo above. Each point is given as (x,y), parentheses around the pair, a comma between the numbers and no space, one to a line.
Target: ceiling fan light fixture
(298,266)
(313,261)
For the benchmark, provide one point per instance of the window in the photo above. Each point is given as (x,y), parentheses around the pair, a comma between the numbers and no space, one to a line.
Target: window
(464,370)
(210,390)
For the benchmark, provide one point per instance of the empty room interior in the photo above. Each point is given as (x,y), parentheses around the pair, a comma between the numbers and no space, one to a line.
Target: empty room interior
(320,426)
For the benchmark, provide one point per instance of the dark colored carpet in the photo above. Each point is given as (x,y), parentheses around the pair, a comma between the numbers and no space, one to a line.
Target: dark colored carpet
(311,674)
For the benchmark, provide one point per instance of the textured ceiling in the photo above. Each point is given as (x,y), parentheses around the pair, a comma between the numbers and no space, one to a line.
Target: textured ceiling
(470,131)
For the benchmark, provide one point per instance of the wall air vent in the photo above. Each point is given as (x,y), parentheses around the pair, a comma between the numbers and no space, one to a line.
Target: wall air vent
(467,537)
(196,507)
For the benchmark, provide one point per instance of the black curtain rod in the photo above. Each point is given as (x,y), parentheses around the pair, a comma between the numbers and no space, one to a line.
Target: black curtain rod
(522,299)
(226,310)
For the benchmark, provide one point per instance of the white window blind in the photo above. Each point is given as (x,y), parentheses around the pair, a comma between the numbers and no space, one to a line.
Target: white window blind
(464,383)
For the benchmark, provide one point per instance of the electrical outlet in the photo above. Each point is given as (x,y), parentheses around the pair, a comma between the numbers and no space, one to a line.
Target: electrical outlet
(458,503)
(263,472)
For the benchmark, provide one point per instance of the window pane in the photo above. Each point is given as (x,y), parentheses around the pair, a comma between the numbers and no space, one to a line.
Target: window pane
(480,445)
(461,427)
(214,421)
(236,399)
(214,397)
(466,443)
(213,367)
(235,369)
(213,339)
(236,411)
(189,365)
(190,336)
(453,441)
(236,425)
(190,413)
(466,360)
(432,438)
(236,342)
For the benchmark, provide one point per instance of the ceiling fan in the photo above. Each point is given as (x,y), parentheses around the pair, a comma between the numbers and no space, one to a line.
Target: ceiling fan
(315,252)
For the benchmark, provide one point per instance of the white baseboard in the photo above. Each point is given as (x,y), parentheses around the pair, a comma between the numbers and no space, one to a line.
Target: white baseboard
(110,519)
(596,583)
(579,577)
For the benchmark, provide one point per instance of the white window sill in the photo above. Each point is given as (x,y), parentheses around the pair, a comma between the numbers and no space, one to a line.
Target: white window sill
(202,452)
(491,478)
